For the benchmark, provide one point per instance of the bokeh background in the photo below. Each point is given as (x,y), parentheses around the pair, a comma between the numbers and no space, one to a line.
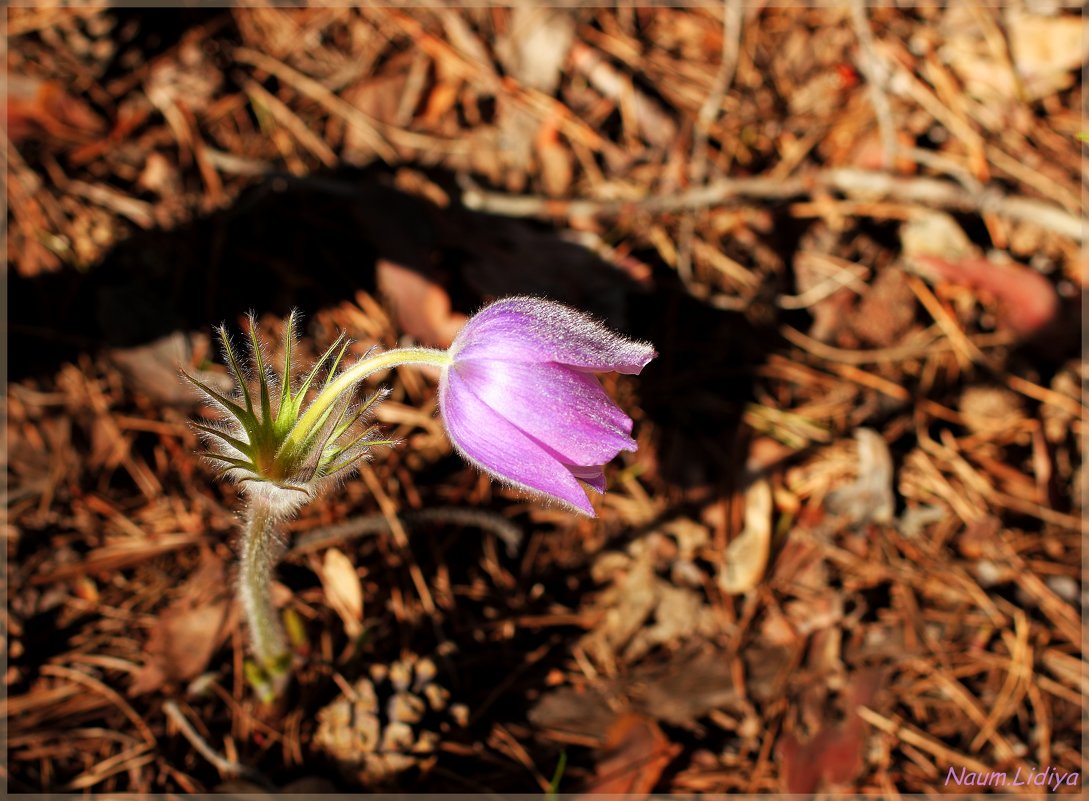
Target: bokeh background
(847,555)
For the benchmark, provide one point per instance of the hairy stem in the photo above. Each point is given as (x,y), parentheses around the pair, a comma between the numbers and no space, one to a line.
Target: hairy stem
(260,552)
(268,504)
(353,375)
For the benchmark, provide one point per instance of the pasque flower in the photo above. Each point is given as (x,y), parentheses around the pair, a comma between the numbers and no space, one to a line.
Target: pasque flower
(517,394)
(520,401)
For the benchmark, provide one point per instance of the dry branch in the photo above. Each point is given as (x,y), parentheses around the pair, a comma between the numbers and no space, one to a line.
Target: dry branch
(925,192)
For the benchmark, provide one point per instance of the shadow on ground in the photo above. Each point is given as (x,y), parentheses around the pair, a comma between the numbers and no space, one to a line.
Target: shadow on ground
(313,242)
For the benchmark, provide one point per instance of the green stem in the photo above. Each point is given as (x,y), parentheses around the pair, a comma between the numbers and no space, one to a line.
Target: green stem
(259,556)
(260,549)
(353,375)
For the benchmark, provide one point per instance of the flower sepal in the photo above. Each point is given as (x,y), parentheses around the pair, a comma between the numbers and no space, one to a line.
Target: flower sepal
(271,436)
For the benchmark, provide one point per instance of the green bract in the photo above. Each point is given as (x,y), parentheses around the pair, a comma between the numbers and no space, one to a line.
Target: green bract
(272,436)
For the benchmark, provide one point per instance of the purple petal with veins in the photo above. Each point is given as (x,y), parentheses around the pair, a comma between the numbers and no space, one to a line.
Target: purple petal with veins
(530,330)
(520,403)
(498,447)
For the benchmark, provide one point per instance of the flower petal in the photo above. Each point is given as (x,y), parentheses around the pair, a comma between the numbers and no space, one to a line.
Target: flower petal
(486,440)
(563,409)
(594,477)
(533,330)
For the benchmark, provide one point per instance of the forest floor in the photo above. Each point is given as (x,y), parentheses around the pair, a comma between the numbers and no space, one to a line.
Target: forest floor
(847,554)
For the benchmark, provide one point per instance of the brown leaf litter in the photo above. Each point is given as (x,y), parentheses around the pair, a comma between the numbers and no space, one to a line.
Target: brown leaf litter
(845,557)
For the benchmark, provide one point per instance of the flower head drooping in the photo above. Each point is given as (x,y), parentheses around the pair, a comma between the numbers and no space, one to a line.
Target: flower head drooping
(284,446)
(517,394)
(520,402)
(283,450)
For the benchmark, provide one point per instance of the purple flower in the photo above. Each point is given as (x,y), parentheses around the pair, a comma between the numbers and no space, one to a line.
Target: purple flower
(520,402)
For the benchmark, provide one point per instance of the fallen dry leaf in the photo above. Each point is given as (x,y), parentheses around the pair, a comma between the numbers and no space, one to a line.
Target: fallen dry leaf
(692,683)
(681,690)
(990,408)
(152,368)
(834,754)
(886,311)
(1027,300)
(641,609)
(343,590)
(633,757)
(36,106)
(535,45)
(935,233)
(746,558)
(575,710)
(189,630)
(870,497)
(1046,50)
(421,306)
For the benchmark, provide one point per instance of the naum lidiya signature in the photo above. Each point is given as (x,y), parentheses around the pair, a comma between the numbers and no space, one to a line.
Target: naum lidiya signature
(1051,778)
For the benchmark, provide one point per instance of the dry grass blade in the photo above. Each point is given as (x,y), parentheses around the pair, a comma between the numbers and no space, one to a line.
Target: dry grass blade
(109,694)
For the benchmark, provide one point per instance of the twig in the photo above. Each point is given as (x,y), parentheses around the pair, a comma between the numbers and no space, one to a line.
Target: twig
(507,532)
(137,211)
(963,348)
(911,736)
(219,762)
(287,118)
(110,694)
(869,65)
(655,124)
(929,192)
(928,342)
(712,105)
(375,133)
(964,700)
(939,163)
(242,165)
(483,75)
(708,113)
(813,295)
(818,292)
(367,127)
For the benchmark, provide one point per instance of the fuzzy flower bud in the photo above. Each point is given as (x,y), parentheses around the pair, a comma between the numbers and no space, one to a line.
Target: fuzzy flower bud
(520,401)
(271,438)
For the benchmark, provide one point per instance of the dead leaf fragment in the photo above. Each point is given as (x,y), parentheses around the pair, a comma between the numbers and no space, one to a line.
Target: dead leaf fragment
(834,754)
(934,233)
(188,632)
(641,609)
(746,558)
(870,497)
(421,306)
(1028,303)
(1047,50)
(681,690)
(690,685)
(886,311)
(535,46)
(343,590)
(990,409)
(152,368)
(633,757)
(576,710)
